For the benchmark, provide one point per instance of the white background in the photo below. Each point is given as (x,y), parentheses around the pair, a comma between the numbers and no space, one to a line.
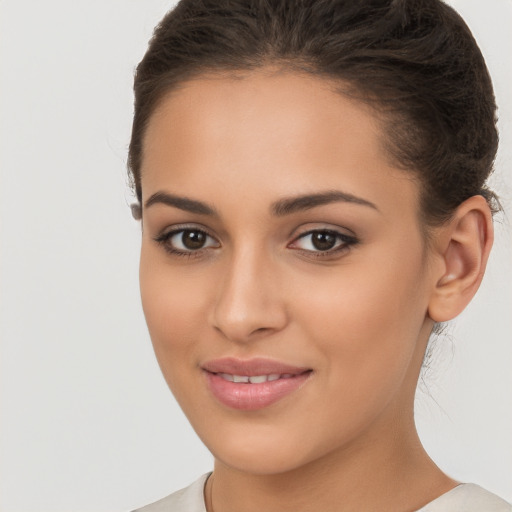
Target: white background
(87,423)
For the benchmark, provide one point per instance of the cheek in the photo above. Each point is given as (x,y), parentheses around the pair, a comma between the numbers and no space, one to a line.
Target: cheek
(366,317)
(173,309)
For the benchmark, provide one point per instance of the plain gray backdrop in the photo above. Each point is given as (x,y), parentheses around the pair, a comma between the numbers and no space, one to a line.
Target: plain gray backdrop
(87,423)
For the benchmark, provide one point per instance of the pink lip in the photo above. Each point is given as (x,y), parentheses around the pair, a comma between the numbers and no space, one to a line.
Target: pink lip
(248,396)
(251,367)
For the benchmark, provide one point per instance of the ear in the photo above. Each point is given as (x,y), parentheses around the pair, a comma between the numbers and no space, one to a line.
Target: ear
(463,246)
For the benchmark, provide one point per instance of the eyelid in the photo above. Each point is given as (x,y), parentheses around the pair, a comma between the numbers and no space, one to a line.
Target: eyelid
(321,225)
(346,242)
(164,237)
(176,228)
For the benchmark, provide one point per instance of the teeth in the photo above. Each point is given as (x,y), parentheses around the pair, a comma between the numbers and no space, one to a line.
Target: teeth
(255,379)
(258,379)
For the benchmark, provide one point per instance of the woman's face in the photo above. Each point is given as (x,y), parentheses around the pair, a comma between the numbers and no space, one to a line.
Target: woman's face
(279,243)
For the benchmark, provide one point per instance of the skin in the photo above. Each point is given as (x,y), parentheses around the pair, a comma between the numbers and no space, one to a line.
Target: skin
(359,317)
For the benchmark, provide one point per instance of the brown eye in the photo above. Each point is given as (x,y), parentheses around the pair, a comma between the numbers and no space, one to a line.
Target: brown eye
(193,239)
(323,240)
(186,241)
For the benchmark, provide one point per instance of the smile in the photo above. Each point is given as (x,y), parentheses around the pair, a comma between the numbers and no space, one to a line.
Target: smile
(252,384)
(256,379)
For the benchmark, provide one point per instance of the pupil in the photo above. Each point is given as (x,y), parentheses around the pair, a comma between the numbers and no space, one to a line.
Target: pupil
(193,239)
(323,241)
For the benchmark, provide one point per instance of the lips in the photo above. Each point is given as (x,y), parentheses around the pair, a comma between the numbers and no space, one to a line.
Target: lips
(252,384)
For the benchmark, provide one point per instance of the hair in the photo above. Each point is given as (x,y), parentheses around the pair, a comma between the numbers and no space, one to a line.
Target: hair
(414,61)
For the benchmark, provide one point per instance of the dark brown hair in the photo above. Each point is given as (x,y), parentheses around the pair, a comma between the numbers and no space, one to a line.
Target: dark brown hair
(415,61)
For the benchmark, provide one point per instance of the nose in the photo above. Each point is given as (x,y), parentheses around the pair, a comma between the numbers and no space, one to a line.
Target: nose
(249,301)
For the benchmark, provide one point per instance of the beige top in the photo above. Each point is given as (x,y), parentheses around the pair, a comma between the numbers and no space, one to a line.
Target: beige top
(463,498)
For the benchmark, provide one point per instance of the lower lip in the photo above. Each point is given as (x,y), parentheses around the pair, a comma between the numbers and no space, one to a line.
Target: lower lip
(250,397)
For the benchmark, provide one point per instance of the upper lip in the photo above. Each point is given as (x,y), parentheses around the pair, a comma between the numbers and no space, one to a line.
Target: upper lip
(252,367)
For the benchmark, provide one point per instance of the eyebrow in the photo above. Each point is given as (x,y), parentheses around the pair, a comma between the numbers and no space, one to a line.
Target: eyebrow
(183,203)
(291,205)
(280,208)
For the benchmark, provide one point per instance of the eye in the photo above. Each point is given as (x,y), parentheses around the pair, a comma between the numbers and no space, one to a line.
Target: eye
(323,241)
(186,241)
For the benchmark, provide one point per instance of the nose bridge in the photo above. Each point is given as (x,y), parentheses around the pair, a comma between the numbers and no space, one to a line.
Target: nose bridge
(248,299)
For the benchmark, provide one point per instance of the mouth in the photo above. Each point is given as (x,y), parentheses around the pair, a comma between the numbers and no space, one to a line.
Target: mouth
(253,384)
(253,379)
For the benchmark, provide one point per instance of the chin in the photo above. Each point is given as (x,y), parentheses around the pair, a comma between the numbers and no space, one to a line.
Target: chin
(262,451)
(260,463)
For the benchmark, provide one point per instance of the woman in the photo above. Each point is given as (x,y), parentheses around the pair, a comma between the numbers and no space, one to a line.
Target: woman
(311,179)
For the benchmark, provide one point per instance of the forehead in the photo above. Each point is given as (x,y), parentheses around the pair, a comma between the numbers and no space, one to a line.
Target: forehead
(275,131)
(265,108)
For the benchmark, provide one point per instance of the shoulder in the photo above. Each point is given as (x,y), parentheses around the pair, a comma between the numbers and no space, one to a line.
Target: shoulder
(189,499)
(468,498)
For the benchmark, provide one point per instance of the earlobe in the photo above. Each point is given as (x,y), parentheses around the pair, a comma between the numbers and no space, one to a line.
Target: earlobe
(463,246)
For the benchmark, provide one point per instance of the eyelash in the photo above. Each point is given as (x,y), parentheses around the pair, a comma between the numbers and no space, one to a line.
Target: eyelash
(343,240)
(165,237)
(346,242)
